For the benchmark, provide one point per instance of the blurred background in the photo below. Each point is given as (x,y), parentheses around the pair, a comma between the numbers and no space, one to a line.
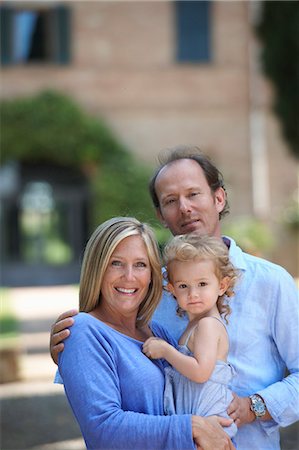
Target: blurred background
(91,92)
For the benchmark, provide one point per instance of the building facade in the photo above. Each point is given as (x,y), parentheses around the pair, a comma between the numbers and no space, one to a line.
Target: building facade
(163,73)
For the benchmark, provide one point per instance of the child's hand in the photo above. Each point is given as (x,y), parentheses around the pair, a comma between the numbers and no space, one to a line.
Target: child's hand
(154,348)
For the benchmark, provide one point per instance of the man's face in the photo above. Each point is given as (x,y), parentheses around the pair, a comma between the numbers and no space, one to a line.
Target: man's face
(187,203)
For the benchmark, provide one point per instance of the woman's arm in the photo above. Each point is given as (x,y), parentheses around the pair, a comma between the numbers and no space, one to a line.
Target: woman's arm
(209,435)
(94,386)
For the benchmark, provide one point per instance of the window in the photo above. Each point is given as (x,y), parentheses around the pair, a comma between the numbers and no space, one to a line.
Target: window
(193,31)
(35,34)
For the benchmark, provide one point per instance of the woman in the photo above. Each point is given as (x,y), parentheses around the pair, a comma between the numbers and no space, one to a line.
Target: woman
(115,391)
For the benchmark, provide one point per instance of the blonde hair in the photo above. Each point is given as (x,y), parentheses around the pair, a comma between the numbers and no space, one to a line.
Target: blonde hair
(193,247)
(98,252)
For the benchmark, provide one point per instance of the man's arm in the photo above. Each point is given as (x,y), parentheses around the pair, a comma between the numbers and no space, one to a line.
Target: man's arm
(60,331)
(281,397)
(239,410)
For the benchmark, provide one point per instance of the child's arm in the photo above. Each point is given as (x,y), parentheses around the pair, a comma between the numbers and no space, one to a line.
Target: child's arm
(205,345)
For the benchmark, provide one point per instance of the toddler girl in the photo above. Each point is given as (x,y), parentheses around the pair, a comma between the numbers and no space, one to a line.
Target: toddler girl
(201,278)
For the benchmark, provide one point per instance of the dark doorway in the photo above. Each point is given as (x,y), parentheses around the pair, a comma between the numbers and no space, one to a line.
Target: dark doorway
(44,226)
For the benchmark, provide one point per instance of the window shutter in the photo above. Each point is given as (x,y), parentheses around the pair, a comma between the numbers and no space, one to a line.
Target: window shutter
(63,20)
(6,18)
(193,31)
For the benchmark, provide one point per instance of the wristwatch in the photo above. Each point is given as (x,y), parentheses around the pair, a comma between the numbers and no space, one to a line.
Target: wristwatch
(257,405)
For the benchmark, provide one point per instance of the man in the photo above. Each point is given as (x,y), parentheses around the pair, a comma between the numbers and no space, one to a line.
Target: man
(189,196)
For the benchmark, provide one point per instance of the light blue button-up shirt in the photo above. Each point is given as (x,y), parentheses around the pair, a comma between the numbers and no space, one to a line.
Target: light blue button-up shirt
(264,342)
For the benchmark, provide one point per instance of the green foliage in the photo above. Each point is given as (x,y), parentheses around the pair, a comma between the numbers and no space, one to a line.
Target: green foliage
(291,213)
(252,235)
(279,34)
(121,189)
(9,325)
(163,235)
(51,128)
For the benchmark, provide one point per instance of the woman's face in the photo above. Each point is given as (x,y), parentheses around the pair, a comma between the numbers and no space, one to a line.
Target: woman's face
(127,277)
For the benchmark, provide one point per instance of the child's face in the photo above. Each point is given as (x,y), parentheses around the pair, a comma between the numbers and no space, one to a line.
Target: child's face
(196,286)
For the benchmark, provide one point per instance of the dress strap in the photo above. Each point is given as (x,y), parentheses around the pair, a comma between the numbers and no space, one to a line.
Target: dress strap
(219,320)
(192,329)
(188,336)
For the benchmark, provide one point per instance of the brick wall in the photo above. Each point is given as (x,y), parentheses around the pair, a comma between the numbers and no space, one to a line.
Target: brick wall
(123,68)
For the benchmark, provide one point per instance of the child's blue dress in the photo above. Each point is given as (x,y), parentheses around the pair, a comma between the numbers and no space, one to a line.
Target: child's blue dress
(183,396)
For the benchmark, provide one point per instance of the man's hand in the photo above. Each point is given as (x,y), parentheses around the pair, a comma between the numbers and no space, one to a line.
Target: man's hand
(239,410)
(154,348)
(60,331)
(208,433)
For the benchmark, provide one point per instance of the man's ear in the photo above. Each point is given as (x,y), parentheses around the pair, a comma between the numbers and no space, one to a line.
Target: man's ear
(220,199)
(160,217)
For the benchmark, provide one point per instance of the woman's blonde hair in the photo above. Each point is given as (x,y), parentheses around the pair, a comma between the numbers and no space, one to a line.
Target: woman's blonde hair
(194,247)
(98,252)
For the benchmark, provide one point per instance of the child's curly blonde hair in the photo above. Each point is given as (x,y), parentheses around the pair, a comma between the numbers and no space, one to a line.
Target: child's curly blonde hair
(190,247)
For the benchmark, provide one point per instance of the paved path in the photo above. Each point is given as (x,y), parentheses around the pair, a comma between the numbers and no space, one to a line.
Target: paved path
(35,414)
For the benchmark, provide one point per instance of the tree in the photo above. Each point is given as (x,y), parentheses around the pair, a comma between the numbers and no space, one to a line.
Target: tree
(278,32)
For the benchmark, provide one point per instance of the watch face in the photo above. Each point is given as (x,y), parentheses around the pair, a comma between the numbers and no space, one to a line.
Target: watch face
(258,406)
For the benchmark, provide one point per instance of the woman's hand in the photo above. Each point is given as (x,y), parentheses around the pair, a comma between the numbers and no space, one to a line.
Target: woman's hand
(155,348)
(208,433)
(59,332)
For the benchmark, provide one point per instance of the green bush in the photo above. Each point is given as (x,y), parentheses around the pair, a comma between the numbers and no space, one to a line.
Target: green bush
(51,128)
(290,216)
(252,235)
(8,324)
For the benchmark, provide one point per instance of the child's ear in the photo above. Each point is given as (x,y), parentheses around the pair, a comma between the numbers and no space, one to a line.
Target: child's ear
(224,285)
(169,288)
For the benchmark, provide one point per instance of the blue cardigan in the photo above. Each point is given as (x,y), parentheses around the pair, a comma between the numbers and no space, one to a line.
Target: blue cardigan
(116,392)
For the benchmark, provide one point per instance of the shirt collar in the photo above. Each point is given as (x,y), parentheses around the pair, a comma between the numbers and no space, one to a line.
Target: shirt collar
(236,255)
